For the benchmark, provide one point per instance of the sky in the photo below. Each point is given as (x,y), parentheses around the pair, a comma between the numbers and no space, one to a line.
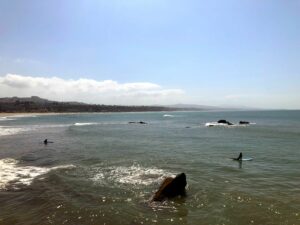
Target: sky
(145,52)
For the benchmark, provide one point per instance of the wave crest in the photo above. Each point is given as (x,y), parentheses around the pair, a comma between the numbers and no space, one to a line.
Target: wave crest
(168,115)
(5,130)
(12,176)
(84,124)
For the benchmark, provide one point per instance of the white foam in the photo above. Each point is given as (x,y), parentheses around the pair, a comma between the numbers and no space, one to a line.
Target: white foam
(12,175)
(5,130)
(36,127)
(9,130)
(135,175)
(102,123)
(15,117)
(168,115)
(84,124)
(216,124)
(5,118)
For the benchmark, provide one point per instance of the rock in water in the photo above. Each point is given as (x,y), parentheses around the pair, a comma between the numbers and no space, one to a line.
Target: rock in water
(133,122)
(225,122)
(244,122)
(171,187)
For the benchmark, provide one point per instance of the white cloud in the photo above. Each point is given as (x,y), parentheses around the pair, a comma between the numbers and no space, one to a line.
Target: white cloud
(88,90)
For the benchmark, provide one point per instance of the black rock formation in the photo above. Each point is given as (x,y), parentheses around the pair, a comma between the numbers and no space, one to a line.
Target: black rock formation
(171,187)
(140,122)
(225,122)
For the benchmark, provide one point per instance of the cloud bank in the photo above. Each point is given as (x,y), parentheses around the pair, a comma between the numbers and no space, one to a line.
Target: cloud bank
(88,90)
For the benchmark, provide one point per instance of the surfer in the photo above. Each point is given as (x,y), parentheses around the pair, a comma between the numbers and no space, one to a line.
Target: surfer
(240,158)
(47,142)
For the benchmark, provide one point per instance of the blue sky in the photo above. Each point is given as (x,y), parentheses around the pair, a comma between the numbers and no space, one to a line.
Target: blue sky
(231,52)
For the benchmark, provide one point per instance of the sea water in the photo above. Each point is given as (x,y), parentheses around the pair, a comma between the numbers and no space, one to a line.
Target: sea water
(102,170)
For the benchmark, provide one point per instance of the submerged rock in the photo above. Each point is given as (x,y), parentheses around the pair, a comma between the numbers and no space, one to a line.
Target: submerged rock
(140,122)
(244,122)
(171,187)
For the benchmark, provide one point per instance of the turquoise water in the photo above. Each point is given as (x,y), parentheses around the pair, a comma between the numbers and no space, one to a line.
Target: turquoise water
(102,170)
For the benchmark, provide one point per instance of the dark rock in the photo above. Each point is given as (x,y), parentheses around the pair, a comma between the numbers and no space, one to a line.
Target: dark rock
(133,122)
(171,187)
(225,122)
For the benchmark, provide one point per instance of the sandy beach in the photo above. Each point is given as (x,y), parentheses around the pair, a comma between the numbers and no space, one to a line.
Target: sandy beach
(29,114)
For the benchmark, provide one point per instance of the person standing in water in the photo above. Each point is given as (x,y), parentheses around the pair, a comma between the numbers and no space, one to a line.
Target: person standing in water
(240,156)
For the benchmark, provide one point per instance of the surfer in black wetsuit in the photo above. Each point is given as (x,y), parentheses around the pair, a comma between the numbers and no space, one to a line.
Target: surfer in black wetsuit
(240,156)
(47,142)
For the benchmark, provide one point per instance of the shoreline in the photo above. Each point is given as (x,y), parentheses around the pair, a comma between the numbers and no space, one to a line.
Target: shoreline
(21,114)
(24,114)
(3,114)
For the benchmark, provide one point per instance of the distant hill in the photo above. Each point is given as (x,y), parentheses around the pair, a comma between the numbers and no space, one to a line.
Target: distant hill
(194,107)
(34,99)
(209,108)
(36,104)
(40,105)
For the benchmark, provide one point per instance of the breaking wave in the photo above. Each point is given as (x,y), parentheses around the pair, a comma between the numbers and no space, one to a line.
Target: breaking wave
(134,175)
(10,130)
(12,176)
(5,130)
(84,124)
(5,118)
(168,115)
(102,123)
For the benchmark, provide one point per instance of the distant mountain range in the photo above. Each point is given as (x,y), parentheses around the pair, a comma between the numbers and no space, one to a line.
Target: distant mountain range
(194,106)
(40,105)
(209,108)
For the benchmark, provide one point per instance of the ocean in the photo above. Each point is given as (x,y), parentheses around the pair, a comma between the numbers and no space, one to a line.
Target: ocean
(99,169)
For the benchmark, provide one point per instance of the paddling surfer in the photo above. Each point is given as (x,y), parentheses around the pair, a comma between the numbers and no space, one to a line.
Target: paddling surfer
(46,141)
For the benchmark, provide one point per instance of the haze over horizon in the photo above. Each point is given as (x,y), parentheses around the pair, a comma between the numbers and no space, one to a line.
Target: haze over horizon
(234,53)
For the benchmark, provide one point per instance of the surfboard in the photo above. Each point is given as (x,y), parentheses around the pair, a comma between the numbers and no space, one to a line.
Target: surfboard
(243,159)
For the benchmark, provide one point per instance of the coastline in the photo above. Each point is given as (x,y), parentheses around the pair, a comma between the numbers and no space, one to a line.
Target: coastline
(21,114)
(3,114)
